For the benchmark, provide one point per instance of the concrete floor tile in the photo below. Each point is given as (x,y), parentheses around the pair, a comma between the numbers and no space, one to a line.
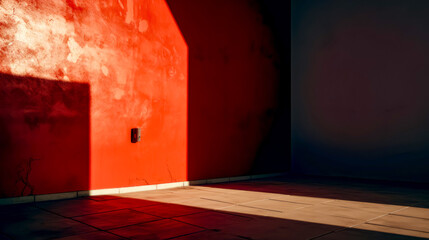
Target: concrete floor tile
(274,209)
(79,207)
(311,217)
(403,222)
(205,203)
(358,234)
(29,222)
(392,230)
(240,194)
(99,235)
(166,197)
(339,211)
(251,211)
(167,210)
(16,213)
(190,194)
(366,206)
(75,207)
(300,199)
(233,198)
(187,191)
(209,235)
(116,219)
(46,229)
(141,195)
(162,229)
(227,191)
(213,219)
(102,197)
(281,229)
(414,212)
(275,205)
(122,203)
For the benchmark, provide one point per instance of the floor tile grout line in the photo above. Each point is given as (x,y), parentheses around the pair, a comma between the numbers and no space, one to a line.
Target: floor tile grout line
(172,238)
(223,212)
(214,200)
(49,211)
(375,224)
(99,229)
(134,224)
(70,218)
(188,214)
(108,230)
(257,200)
(104,230)
(327,203)
(84,215)
(401,215)
(303,207)
(277,200)
(241,205)
(88,214)
(109,211)
(330,232)
(271,210)
(234,204)
(366,210)
(243,237)
(177,220)
(353,226)
(380,216)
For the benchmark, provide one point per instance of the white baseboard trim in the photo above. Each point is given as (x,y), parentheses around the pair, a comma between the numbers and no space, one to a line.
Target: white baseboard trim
(96,192)
(17,200)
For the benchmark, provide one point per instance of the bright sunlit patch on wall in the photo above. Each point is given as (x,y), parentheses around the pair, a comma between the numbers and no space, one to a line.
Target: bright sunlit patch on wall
(38,40)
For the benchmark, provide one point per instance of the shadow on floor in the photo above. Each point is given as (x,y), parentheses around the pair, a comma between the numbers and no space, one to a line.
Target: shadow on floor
(203,212)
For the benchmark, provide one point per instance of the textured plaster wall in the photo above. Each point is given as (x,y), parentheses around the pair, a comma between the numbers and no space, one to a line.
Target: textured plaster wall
(76,76)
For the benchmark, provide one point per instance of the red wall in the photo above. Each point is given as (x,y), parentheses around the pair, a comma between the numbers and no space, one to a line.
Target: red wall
(77,75)
(232,84)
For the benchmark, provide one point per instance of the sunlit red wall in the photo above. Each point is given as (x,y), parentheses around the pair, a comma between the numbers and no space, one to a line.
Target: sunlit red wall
(360,89)
(76,76)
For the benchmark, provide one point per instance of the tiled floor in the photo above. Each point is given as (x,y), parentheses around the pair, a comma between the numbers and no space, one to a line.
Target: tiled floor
(281,208)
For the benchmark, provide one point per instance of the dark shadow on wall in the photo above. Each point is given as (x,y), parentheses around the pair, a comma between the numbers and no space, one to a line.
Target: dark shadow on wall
(360,106)
(233,84)
(44,136)
(275,151)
